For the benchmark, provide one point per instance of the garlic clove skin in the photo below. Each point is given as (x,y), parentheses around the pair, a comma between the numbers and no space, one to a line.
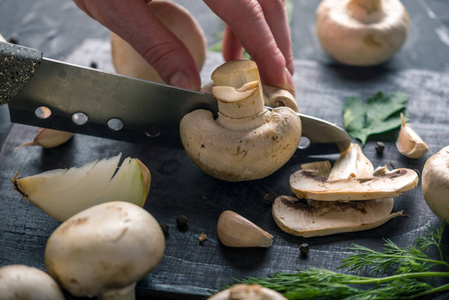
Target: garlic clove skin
(435,183)
(409,143)
(49,138)
(248,292)
(236,231)
(62,193)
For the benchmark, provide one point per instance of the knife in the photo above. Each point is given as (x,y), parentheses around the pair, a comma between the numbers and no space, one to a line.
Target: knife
(53,94)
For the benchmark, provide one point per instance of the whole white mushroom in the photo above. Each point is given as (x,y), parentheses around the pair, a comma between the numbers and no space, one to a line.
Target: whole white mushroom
(361,32)
(435,183)
(103,250)
(19,282)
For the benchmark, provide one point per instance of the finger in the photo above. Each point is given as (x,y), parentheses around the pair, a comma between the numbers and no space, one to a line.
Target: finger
(247,21)
(134,21)
(276,16)
(231,47)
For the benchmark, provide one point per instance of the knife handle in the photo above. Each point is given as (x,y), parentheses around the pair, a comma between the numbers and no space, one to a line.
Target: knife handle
(17,66)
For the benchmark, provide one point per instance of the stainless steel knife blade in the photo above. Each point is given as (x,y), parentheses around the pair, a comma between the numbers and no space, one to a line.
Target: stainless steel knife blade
(83,100)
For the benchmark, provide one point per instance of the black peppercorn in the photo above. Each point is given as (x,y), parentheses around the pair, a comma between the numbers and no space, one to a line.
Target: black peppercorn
(268,199)
(181,221)
(304,248)
(93,65)
(13,39)
(164,227)
(380,147)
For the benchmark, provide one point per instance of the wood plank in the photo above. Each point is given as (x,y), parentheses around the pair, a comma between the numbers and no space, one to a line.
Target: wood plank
(192,269)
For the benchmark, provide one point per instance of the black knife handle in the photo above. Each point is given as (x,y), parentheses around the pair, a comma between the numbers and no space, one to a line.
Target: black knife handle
(17,66)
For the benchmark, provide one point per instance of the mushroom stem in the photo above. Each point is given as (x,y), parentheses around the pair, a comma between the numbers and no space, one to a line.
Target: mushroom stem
(125,293)
(368,6)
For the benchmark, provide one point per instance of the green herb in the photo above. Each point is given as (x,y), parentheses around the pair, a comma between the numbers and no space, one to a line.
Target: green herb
(404,273)
(379,114)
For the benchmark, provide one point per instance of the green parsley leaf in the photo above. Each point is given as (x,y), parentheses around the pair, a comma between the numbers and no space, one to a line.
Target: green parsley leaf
(379,114)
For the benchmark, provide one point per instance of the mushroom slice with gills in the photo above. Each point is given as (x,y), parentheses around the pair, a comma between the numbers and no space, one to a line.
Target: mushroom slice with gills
(104,250)
(246,141)
(182,25)
(361,32)
(319,218)
(248,292)
(409,143)
(18,282)
(64,192)
(305,185)
(351,178)
(352,163)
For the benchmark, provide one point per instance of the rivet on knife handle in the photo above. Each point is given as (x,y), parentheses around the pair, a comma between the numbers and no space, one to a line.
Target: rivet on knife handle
(17,66)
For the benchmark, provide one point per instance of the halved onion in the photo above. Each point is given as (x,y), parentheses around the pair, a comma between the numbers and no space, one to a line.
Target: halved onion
(63,193)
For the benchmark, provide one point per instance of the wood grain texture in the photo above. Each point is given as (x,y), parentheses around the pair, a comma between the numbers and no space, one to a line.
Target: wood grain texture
(190,269)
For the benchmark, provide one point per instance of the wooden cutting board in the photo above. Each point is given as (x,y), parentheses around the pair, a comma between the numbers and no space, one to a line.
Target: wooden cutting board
(190,269)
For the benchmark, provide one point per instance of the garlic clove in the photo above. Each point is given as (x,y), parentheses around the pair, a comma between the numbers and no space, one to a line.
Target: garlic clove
(409,143)
(236,231)
(49,138)
(64,192)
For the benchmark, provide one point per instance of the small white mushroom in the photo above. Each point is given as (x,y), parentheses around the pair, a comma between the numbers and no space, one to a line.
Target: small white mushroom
(103,250)
(180,22)
(319,218)
(409,143)
(361,32)
(248,292)
(246,141)
(19,282)
(435,183)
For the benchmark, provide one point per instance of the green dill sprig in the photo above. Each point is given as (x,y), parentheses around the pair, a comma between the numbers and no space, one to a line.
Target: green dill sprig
(402,273)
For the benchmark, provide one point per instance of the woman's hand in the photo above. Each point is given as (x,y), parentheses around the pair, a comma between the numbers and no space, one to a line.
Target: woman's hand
(261,27)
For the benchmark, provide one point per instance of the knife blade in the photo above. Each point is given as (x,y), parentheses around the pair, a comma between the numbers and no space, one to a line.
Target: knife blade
(53,94)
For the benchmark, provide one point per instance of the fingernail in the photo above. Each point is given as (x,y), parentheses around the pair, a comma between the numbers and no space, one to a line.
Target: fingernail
(289,80)
(180,79)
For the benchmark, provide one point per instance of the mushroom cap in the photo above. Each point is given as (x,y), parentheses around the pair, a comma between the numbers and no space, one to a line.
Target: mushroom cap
(241,155)
(18,282)
(319,218)
(306,185)
(178,20)
(361,40)
(247,292)
(105,247)
(435,183)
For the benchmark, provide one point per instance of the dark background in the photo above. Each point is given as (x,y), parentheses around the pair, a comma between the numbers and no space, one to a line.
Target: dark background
(190,270)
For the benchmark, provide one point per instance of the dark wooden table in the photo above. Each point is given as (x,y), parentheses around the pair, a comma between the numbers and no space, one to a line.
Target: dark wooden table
(189,269)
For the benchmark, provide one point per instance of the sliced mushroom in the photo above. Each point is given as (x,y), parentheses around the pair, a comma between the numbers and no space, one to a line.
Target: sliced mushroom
(248,292)
(352,163)
(390,184)
(246,141)
(352,178)
(275,97)
(319,218)
(180,22)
